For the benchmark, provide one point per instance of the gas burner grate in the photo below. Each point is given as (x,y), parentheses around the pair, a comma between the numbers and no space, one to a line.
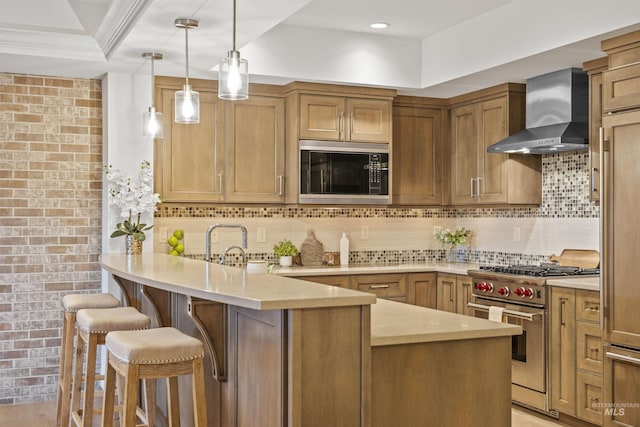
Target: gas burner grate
(543,270)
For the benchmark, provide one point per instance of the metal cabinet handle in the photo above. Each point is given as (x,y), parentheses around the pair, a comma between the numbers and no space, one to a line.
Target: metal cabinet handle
(220,183)
(341,126)
(473,187)
(563,304)
(281,183)
(351,122)
(385,286)
(509,313)
(623,358)
(480,188)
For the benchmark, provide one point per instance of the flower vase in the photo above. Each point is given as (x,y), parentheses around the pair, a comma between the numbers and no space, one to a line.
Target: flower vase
(286,261)
(132,246)
(451,254)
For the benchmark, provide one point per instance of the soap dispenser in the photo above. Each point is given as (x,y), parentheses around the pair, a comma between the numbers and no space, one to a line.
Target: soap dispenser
(344,249)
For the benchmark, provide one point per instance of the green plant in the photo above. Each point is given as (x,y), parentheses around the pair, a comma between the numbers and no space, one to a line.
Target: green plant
(285,248)
(454,238)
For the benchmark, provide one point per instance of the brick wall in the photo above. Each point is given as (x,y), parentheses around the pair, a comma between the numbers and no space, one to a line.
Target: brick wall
(50,221)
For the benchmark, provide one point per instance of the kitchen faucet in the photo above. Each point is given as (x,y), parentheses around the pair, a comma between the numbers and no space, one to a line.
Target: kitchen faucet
(207,255)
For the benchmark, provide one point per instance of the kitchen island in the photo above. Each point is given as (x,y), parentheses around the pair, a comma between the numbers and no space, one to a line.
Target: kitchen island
(282,351)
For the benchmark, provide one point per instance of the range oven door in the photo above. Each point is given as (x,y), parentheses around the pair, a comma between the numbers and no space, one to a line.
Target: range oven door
(528,351)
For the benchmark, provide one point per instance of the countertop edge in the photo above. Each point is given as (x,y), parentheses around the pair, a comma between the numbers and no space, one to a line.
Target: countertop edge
(584,283)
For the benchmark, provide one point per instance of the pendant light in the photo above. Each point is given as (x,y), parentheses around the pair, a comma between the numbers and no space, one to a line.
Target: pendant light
(187,101)
(152,120)
(233,77)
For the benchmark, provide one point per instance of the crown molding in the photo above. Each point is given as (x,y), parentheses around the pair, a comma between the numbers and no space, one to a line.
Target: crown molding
(120,19)
(50,44)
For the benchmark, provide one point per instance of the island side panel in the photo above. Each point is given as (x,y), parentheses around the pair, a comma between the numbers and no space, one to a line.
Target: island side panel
(453,383)
(329,358)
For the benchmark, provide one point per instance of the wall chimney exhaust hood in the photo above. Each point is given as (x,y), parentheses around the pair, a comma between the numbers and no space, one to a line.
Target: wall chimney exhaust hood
(557,115)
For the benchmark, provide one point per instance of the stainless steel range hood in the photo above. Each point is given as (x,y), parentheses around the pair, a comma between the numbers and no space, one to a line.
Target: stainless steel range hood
(557,115)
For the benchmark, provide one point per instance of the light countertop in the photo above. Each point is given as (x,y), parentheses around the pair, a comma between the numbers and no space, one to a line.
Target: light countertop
(229,285)
(440,267)
(590,283)
(397,323)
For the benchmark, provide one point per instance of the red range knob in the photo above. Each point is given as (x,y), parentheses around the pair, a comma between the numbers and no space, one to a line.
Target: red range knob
(528,293)
(519,292)
(504,291)
(484,287)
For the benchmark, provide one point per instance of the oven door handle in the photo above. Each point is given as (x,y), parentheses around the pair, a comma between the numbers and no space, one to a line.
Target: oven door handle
(623,358)
(510,313)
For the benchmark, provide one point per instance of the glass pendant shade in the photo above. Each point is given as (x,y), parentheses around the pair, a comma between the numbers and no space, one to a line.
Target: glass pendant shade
(152,123)
(187,106)
(187,100)
(233,77)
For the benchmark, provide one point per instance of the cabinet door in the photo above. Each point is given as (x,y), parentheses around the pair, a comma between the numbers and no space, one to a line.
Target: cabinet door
(422,289)
(621,379)
(417,156)
(589,347)
(446,292)
(339,281)
(388,286)
(322,117)
(621,203)
(621,88)
(463,295)
(255,151)
(588,306)
(595,122)
(492,127)
(464,155)
(189,157)
(563,350)
(368,120)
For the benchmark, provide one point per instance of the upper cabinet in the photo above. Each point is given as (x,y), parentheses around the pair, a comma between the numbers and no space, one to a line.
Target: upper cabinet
(338,118)
(332,113)
(418,150)
(254,152)
(595,69)
(479,120)
(235,154)
(189,159)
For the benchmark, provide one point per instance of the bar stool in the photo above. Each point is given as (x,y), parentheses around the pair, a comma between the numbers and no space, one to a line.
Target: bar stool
(154,353)
(93,326)
(71,304)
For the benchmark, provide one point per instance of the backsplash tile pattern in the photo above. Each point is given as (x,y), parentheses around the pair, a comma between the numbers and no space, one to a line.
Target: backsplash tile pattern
(50,221)
(565,195)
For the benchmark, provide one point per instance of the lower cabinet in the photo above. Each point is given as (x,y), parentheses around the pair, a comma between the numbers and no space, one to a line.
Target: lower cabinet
(576,354)
(453,293)
(412,288)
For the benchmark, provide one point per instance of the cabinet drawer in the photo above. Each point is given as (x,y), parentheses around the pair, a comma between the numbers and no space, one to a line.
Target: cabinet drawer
(392,286)
(621,88)
(589,347)
(340,281)
(588,306)
(589,396)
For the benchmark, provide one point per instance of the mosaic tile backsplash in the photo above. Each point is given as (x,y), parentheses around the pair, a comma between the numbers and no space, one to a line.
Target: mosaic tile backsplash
(565,206)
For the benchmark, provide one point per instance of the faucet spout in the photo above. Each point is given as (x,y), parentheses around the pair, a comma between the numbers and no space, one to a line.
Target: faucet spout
(243,229)
(224,254)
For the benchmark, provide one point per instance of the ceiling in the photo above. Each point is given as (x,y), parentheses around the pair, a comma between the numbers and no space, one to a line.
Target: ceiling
(431,48)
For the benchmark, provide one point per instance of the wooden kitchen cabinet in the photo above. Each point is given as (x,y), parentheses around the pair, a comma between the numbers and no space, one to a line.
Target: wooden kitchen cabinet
(341,281)
(453,293)
(422,289)
(594,69)
(338,118)
(576,354)
(418,151)
(189,159)
(478,120)
(387,286)
(254,152)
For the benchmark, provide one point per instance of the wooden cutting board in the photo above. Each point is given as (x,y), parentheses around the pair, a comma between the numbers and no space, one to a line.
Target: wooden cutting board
(583,258)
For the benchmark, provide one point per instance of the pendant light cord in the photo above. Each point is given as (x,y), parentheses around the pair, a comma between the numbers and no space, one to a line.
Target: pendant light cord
(186,49)
(153,88)
(234,24)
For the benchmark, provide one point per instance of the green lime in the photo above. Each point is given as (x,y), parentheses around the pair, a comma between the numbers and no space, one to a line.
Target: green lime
(179,248)
(173,252)
(178,234)
(172,241)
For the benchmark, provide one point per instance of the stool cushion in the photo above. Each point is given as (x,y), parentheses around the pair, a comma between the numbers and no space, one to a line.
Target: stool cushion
(75,302)
(153,346)
(111,319)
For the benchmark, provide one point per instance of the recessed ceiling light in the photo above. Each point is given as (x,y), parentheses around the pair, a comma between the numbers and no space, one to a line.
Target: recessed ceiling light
(379,25)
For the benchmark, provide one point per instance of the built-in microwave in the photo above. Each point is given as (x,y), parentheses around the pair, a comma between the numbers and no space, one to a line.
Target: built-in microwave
(344,172)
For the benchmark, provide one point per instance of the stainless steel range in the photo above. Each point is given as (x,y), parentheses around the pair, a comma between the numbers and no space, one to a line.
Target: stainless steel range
(520,292)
